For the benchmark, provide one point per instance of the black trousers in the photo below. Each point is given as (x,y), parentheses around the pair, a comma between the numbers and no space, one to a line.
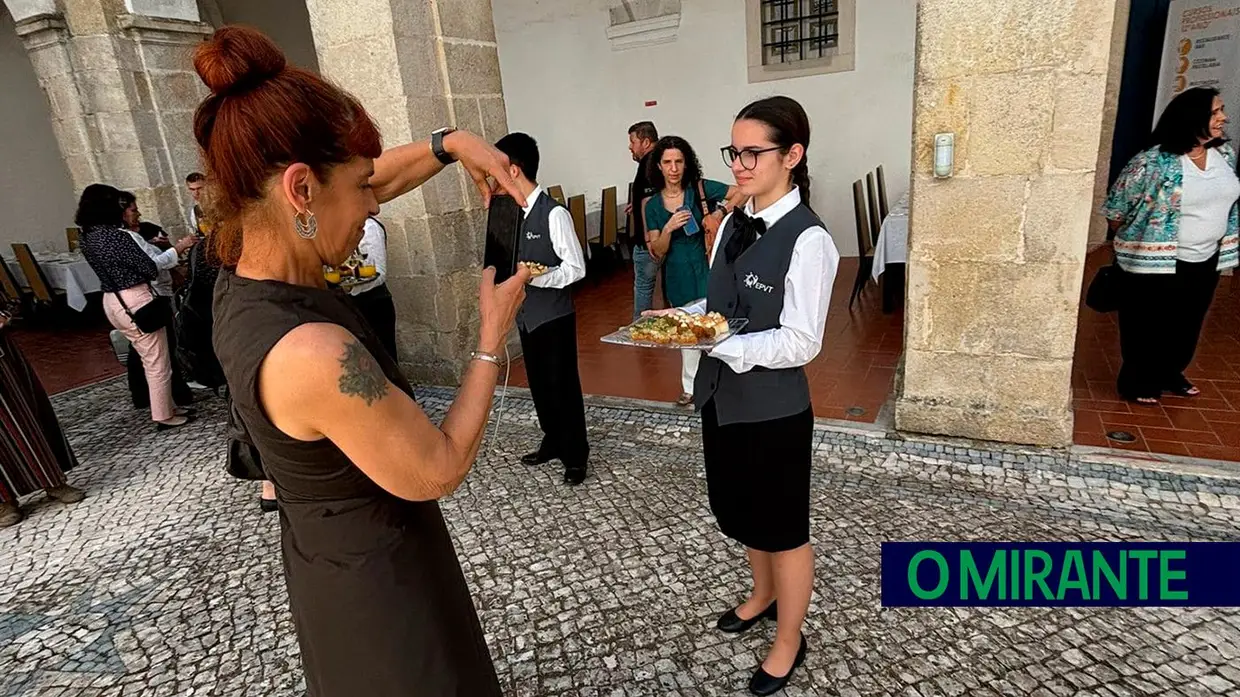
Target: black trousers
(182,395)
(1159,324)
(550,353)
(380,312)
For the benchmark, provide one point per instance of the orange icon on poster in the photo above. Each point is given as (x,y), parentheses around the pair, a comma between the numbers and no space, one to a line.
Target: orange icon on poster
(1180,83)
(1186,45)
(1183,66)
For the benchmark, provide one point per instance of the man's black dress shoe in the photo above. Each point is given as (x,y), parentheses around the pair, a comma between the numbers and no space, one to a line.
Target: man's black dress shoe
(574,475)
(268,505)
(732,624)
(535,458)
(763,683)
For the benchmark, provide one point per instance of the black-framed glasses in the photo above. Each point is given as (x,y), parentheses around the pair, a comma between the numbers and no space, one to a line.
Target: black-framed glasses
(748,156)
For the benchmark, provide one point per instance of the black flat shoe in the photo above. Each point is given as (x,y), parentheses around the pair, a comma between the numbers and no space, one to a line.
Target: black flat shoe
(733,624)
(535,458)
(574,475)
(268,505)
(763,683)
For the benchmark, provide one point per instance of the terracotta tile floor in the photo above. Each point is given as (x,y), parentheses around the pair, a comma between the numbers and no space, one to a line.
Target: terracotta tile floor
(855,369)
(65,357)
(1206,426)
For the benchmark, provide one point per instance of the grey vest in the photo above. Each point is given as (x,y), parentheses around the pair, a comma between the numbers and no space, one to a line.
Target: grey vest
(541,304)
(753,287)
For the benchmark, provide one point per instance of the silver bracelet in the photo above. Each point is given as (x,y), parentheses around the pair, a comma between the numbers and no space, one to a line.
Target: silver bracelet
(486,358)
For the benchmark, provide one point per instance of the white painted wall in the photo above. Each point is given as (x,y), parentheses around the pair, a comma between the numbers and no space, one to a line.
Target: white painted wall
(35,192)
(564,85)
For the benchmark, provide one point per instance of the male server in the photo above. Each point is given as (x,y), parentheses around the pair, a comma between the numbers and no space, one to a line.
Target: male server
(547,321)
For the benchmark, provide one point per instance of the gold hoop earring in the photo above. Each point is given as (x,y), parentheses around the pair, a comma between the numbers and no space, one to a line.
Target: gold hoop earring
(306,230)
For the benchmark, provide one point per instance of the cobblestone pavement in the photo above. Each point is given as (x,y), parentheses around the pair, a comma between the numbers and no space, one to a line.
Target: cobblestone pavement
(167,581)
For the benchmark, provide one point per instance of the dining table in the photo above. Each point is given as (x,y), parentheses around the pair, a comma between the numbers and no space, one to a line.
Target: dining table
(891,252)
(67,271)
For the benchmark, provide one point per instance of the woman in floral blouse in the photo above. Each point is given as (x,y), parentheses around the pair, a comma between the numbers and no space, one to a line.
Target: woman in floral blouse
(1174,215)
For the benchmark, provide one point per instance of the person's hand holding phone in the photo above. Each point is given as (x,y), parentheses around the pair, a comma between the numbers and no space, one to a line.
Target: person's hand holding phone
(679,219)
(497,307)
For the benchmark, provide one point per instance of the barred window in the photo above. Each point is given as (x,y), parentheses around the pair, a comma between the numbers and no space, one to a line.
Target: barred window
(792,38)
(796,30)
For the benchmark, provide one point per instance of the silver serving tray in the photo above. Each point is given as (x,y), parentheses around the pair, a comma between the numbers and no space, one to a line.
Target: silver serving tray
(622,337)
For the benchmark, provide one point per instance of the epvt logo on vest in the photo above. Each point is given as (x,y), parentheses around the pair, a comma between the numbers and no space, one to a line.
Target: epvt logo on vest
(531,236)
(752,281)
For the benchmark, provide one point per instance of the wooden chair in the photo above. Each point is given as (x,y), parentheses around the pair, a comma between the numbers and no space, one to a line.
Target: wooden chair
(8,284)
(39,286)
(883,207)
(71,235)
(605,254)
(577,208)
(876,218)
(865,243)
(557,192)
(609,218)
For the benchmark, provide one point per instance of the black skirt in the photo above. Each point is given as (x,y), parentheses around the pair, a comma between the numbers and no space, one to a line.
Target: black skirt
(757,478)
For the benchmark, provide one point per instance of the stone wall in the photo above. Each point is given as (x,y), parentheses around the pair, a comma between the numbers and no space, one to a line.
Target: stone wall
(1110,107)
(122,94)
(417,66)
(996,252)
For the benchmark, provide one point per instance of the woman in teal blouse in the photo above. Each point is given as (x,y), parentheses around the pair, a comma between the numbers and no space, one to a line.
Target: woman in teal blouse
(680,229)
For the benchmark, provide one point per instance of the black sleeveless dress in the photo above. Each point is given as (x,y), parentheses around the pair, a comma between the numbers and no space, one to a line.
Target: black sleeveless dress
(377,595)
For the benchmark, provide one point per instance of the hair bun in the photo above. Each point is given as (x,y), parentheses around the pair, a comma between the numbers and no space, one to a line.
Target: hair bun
(236,59)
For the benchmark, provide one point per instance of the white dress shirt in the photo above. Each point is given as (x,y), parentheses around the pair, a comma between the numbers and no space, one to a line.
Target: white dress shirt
(807,296)
(165,259)
(567,247)
(374,246)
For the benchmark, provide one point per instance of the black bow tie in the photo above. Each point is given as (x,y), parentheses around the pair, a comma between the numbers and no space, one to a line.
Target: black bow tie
(745,231)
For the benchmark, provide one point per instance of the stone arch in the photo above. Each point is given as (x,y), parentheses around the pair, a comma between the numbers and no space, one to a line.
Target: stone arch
(25,9)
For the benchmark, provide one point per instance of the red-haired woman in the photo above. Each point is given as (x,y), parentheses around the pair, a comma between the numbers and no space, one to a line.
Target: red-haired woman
(377,595)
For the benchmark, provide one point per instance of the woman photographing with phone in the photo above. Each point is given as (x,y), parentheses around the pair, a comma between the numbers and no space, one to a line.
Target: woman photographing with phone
(376,593)
(774,264)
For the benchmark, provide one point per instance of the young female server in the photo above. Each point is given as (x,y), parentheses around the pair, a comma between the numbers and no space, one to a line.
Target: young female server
(774,264)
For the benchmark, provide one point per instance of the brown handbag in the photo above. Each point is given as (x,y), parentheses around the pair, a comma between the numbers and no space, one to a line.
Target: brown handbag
(711,232)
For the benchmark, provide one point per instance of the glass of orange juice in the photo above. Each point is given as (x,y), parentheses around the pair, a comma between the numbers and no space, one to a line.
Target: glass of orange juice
(331,275)
(367,271)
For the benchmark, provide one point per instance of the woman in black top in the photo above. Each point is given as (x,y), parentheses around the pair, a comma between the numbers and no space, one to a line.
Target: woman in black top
(125,275)
(377,596)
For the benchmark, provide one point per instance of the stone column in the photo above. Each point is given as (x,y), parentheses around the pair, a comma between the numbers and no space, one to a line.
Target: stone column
(122,92)
(996,252)
(417,66)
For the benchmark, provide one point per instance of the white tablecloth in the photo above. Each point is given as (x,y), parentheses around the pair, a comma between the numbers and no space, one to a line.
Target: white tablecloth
(65,271)
(892,246)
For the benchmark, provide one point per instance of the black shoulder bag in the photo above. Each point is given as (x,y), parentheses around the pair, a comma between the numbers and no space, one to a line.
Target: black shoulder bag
(152,316)
(1106,290)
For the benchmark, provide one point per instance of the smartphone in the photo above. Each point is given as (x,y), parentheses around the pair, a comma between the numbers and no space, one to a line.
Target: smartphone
(504,220)
(691,228)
